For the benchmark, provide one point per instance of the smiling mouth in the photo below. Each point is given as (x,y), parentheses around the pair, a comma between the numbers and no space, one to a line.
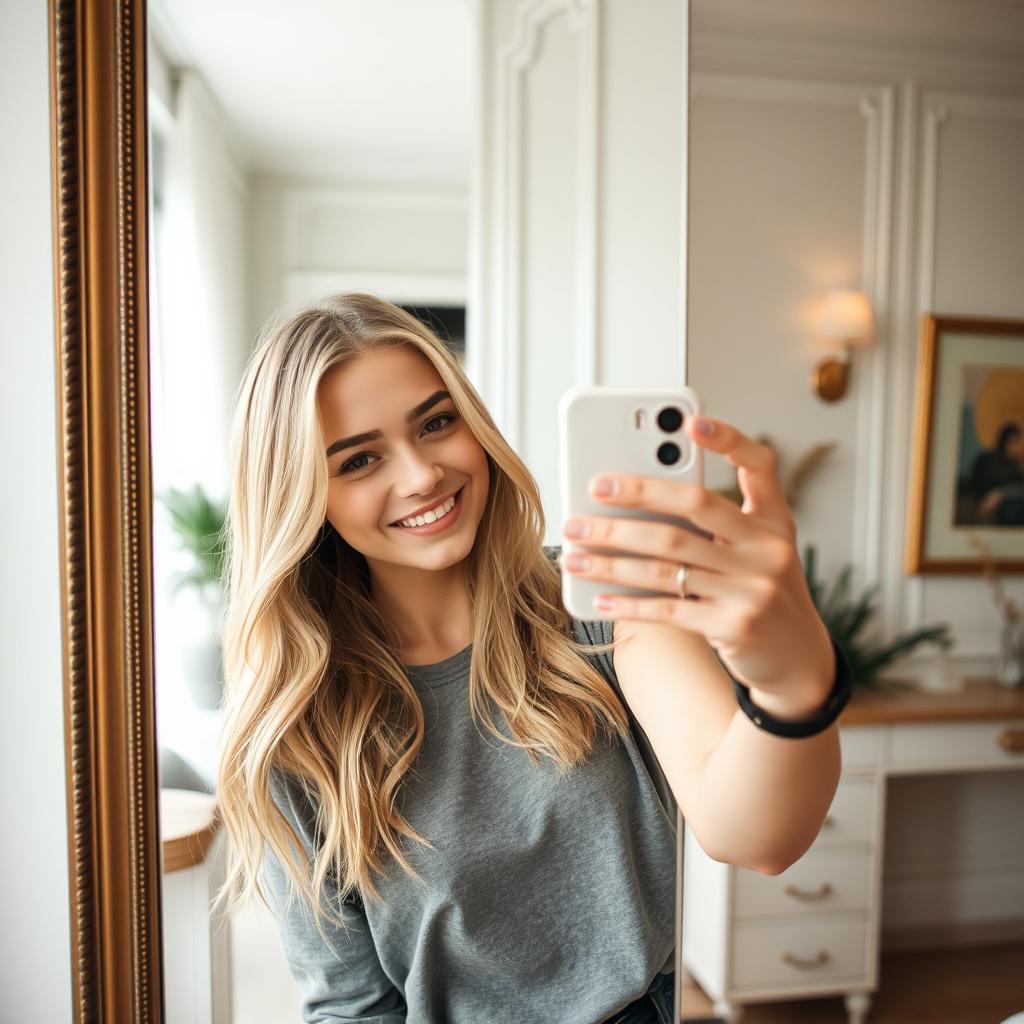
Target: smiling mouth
(397,524)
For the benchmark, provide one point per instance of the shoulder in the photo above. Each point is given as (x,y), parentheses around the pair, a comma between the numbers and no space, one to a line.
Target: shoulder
(296,802)
(590,631)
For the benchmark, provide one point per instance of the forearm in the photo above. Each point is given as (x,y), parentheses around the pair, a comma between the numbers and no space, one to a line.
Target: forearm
(761,799)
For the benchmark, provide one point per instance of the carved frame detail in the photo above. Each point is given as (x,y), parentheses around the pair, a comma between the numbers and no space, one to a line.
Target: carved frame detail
(99,147)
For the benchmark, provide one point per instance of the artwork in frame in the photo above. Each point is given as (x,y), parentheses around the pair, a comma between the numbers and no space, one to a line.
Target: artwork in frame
(967,471)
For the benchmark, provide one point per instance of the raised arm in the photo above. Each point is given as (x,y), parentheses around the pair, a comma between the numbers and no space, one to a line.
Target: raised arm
(751,797)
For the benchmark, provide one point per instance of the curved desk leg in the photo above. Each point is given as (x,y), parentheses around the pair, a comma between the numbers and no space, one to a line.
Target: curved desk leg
(857,1006)
(730,1012)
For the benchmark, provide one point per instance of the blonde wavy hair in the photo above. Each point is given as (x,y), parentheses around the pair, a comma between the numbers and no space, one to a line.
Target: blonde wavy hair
(314,685)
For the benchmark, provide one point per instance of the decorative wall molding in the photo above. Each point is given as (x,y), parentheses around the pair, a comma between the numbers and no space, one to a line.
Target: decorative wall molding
(936,110)
(896,588)
(933,116)
(824,58)
(872,409)
(502,365)
(876,103)
(774,89)
(898,275)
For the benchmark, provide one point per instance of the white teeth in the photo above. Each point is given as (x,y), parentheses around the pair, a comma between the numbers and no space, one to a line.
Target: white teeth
(432,516)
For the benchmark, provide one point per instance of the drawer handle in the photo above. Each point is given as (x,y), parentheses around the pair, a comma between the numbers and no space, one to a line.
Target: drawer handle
(803,963)
(1012,740)
(807,894)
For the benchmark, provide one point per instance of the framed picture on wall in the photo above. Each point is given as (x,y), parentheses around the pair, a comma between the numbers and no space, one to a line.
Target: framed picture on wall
(967,468)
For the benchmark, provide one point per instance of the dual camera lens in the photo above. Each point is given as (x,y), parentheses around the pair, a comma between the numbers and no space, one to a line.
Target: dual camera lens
(669,419)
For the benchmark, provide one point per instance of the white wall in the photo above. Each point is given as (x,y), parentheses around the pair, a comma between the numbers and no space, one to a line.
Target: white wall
(816,163)
(810,168)
(577,273)
(35,969)
(405,242)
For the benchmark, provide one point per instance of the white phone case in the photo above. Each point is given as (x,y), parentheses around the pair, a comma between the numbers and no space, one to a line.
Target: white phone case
(615,430)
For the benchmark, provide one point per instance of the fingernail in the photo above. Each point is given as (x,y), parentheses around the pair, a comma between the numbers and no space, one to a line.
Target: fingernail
(575,528)
(603,603)
(605,486)
(705,427)
(575,560)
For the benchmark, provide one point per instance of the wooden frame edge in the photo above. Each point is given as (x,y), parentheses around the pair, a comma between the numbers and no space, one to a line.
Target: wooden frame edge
(921,443)
(99,180)
(932,326)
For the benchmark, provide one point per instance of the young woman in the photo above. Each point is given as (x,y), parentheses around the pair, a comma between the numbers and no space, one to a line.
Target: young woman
(389,592)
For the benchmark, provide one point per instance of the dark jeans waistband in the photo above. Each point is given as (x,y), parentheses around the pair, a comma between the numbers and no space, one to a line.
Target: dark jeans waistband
(656,1006)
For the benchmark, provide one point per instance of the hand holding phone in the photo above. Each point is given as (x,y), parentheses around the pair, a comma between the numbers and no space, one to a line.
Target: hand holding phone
(621,430)
(730,573)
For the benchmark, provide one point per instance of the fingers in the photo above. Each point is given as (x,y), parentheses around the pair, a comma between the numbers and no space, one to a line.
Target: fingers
(752,593)
(664,541)
(757,466)
(716,621)
(703,507)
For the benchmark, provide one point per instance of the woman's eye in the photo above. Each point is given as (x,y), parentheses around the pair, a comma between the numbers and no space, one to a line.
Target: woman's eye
(433,419)
(351,465)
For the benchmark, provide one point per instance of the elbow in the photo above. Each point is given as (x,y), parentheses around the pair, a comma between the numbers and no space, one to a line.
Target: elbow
(745,858)
(764,862)
(775,867)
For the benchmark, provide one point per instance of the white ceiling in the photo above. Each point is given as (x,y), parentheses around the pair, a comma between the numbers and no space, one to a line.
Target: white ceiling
(360,90)
(381,90)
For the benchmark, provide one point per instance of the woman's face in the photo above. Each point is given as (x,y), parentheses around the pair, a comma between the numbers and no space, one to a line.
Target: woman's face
(414,462)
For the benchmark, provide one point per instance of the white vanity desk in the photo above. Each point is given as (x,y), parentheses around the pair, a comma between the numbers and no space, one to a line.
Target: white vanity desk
(814,929)
(196,943)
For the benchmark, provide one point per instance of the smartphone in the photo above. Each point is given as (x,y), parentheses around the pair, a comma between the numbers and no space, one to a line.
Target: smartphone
(637,431)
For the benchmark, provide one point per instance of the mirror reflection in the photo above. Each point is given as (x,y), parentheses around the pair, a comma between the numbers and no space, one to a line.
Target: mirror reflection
(386,238)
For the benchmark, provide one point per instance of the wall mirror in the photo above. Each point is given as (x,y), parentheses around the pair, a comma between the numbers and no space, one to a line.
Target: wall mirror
(514,173)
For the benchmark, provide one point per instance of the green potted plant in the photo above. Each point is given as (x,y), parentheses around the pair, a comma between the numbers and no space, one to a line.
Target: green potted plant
(200,528)
(846,617)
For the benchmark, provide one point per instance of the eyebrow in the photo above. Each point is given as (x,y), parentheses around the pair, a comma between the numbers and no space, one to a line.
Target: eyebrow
(374,435)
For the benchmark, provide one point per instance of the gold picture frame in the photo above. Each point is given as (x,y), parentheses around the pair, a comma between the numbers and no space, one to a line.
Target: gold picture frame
(969,391)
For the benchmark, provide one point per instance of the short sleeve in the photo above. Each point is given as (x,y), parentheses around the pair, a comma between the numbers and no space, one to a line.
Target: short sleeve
(343,983)
(600,631)
(596,631)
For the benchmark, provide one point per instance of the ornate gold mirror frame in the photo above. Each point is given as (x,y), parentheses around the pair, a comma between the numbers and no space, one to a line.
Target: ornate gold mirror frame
(99,146)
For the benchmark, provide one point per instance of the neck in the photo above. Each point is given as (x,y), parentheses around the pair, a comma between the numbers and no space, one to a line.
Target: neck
(429,609)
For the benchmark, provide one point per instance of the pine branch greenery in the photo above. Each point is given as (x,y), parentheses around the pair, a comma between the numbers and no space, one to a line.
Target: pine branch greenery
(805,468)
(845,618)
(796,479)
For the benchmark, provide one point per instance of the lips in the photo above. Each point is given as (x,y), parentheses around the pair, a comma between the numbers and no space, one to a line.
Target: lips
(426,508)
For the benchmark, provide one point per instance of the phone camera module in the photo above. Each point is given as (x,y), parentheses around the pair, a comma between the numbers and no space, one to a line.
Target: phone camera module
(670,419)
(668,453)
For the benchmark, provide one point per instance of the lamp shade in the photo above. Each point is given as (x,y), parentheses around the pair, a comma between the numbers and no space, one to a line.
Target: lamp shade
(846,319)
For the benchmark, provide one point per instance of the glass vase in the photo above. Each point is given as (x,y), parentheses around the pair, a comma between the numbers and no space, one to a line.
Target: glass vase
(1011,653)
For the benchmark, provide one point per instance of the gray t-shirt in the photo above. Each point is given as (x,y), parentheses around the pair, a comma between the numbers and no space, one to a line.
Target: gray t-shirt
(547,898)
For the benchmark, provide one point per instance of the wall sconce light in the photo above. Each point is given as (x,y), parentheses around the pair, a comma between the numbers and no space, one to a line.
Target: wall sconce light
(845,322)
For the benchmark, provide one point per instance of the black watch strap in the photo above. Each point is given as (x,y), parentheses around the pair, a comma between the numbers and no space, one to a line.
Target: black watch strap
(842,688)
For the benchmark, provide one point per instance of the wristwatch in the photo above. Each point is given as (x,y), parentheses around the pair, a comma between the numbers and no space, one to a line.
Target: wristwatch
(842,688)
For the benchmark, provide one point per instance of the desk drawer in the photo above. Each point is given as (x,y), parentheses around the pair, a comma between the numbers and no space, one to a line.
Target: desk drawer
(957,745)
(862,747)
(851,818)
(768,956)
(821,880)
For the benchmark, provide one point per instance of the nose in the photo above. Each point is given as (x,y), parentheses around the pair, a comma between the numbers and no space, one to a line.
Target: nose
(418,475)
